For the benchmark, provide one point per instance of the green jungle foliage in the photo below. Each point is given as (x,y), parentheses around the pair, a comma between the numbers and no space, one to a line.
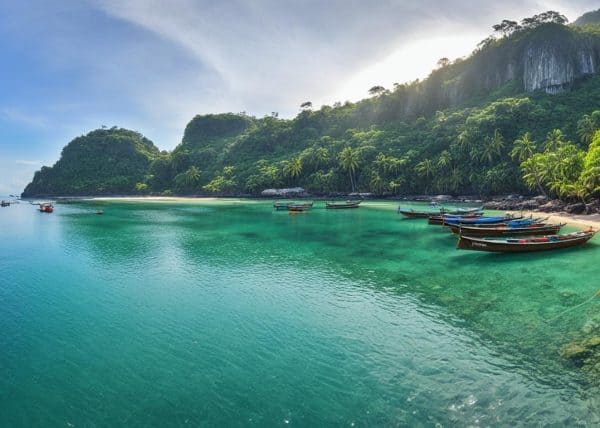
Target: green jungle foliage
(469,128)
(105,161)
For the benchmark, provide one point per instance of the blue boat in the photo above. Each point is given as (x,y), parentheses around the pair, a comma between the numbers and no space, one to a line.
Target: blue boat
(479,220)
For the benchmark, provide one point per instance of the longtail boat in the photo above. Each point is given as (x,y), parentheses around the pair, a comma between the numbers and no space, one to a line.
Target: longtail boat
(521,245)
(411,213)
(507,230)
(299,207)
(514,223)
(46,208)
(479,220)
(342,205)
(461,211)
(283,205)
(439,218)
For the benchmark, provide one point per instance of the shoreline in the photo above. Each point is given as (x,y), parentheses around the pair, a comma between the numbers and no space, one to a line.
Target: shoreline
(579,220)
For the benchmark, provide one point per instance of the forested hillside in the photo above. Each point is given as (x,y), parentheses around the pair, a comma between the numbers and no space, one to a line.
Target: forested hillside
(104,161)
(459,131)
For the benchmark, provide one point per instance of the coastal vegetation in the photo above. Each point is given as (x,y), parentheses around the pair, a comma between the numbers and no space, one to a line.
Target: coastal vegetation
(480,125)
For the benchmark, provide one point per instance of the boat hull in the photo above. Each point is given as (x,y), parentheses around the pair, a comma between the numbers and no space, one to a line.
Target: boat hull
(552,242)
(341,205)
(547,229)
(441,220)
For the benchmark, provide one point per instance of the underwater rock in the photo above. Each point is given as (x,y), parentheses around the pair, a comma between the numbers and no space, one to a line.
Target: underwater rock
(592,342)
(575,352)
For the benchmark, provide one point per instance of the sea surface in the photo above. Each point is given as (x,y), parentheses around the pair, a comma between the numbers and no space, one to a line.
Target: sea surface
(227,313)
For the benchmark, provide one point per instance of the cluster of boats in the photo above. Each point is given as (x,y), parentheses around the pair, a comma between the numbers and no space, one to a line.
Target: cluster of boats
(506,233)
(295,206)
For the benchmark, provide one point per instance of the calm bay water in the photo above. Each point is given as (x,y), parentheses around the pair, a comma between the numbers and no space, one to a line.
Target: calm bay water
(226,313)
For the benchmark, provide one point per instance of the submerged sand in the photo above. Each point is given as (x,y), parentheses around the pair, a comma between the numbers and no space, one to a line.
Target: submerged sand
(583,221)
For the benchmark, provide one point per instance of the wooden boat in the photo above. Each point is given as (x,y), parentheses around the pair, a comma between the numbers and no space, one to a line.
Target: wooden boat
(342,205)
(521,245)
(439,218)
(411,213)
(283,205)
(299,207)
(507,230)
(461,211)
(46,208)
(516,223)
(490,221)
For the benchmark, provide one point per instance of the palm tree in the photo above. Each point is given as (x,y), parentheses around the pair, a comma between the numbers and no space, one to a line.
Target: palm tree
(444,159)
(455,179)
(554,140)
(349,162)
(586,128)
(523,148)
(425,169)
(321,156)
(533,172)
(493,148)
(293,168)
(377,184)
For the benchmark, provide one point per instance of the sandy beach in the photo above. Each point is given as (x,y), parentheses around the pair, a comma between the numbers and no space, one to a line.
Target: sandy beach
(583,221)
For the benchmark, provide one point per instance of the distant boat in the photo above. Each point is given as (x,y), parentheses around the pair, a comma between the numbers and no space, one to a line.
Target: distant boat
(283,205)
(5,204)
(342,205)
(46,208)
(522,245)
(508,230)
(299,206)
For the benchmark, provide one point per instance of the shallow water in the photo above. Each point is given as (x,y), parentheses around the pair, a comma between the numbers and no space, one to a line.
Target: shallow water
(227,313)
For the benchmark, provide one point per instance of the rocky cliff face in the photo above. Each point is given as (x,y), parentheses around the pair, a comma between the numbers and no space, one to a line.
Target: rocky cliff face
(551,68)
(549,58)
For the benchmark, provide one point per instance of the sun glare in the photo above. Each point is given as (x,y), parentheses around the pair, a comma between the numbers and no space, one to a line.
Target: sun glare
(414,60)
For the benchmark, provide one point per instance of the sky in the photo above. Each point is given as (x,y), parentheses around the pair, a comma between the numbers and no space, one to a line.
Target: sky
(68,67)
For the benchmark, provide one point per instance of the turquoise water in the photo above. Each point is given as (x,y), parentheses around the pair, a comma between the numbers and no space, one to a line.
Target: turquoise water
(226,313)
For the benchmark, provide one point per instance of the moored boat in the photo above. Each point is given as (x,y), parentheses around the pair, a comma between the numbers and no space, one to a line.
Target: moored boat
(439,219)
(461,211)
(412,213)
(522,245)
(508,230)
(46,208)
(491,221)
(299,207)
(342,205)
(283,205)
